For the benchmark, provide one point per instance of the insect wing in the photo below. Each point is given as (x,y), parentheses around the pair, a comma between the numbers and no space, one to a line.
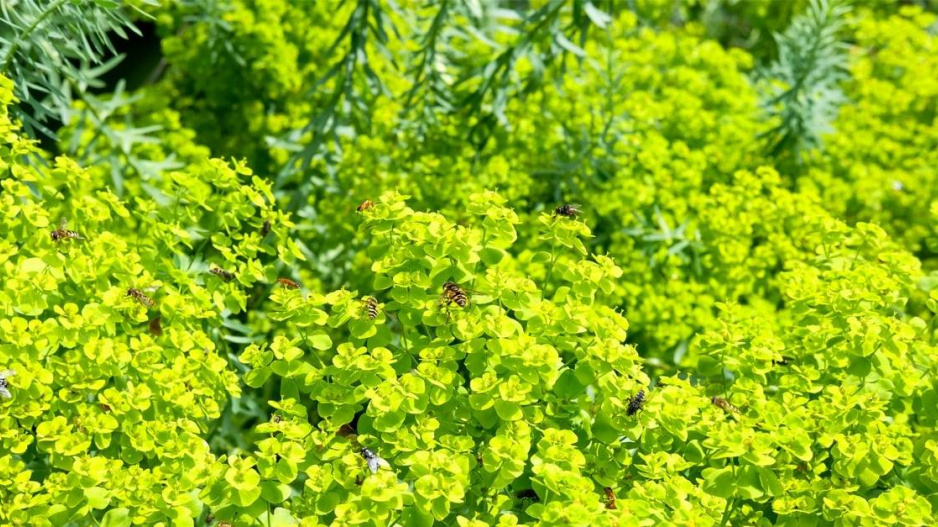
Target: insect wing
(5,393)
(6,374)
(376,463)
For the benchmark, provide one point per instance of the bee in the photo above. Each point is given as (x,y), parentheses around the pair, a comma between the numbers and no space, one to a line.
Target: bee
(140,297)
(567,211)
(366,205)
(156,326)
(4,386)
(636,403)
(223,274)
(265,230)
(289,284)
(371,307)
(453,294)
(374,460)
(62,233)
(610,498)
(724,404)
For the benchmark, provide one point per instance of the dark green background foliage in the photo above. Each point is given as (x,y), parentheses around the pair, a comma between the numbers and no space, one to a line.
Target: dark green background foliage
(223,322)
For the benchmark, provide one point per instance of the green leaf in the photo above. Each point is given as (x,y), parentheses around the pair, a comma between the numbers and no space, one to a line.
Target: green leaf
(116,518)
(719,482)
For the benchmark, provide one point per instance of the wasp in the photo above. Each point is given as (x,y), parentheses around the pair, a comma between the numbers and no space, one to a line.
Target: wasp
(156,326)
(610,498)
(4,386)
(289,284)
(140,297)
(636,403)
(374,460)
(62,233)
(724,404)
(371,307)
(454,294)
(366,205)
(223,274)
(265,229)
(567,211)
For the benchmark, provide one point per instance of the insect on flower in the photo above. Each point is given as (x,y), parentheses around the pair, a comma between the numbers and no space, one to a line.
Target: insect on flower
(371,307)
(636,403)
(374,461)
(454,294)
(724,404)
(156,326)
(567,211)
(366,205)
(223,274)
(4,386)
(62,233)
(140,297)
(289,284)
(610,498)
(265,229)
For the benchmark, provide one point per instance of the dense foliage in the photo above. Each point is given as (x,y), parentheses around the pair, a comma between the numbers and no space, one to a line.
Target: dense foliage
(468,263)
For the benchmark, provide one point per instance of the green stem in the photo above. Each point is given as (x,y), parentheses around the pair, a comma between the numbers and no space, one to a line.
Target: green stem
(14,47)
(727,511)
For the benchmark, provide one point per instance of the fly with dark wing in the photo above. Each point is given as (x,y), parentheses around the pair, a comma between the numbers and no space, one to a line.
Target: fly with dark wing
(636,403)
(567,211)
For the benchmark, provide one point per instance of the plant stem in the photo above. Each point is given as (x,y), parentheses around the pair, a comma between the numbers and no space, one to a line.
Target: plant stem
(727,511)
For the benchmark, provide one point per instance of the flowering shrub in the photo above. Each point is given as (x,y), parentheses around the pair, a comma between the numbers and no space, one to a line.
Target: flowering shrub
(567,281)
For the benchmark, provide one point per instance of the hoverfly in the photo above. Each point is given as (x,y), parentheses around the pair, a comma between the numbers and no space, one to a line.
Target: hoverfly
(366,205)
(289,284)
(724,404)
(610,498)
(140,297)
(374,460)
(567,211)
(227,276)
(265,229)
(156,326)
(454,294)
(636,403)
(62,233)
(4,386)
(370,305)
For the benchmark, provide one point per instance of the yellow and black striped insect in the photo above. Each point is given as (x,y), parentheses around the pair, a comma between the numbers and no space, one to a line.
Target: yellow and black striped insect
(140,297)
(223,274)
(370,305)
(454,294)
(62,233)
(724,404)
(289,284)
(567,211)
(610,498)
(366,205)
(265,230)
(636,403)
